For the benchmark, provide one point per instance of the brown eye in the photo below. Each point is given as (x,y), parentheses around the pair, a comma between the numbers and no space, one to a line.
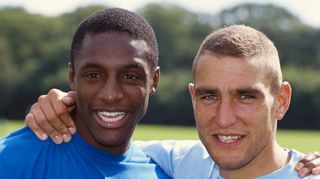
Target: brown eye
(93,76)
(130,77)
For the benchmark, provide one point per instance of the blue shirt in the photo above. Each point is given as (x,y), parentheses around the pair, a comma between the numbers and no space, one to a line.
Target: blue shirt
(22,155)
(190,159)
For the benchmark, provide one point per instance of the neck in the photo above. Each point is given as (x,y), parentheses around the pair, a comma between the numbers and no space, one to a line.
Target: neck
(270,159)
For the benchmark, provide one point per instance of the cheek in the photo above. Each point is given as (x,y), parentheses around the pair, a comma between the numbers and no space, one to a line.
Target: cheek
(85,94)
(256,117)
(204,116)
(138,98)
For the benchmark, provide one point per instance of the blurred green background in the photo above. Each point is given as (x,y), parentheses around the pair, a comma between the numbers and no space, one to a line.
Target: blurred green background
(303,141)
(34,52)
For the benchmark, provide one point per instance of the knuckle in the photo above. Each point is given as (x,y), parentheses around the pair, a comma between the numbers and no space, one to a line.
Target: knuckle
(28,118)
(52,133)
(41,120)
(53,92)
(61,112)
(51,119)
(310,165)
(34,107)
(63,130)
(41,98)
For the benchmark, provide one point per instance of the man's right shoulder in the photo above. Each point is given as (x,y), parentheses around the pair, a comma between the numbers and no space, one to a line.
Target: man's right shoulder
(20,145)
(20,137)
(16,152)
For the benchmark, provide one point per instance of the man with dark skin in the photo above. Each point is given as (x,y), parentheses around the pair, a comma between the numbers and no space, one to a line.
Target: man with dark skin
(113,71)
(203,94)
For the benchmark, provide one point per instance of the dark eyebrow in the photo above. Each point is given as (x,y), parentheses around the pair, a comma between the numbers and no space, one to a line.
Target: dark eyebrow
(129,66)
(205,90)
(90,65)
(249,90)
(134,65)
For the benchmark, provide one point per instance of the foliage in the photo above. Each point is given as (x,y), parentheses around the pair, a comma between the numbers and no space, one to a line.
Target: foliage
(34,52)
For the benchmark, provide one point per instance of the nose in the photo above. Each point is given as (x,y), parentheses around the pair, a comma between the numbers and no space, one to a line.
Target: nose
(226,116)
(112,90)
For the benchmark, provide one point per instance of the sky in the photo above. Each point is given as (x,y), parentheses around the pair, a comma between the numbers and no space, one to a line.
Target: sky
(307,10)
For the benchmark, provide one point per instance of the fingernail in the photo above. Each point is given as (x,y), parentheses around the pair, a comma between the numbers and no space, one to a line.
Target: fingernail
(44,136)
(299,166)
(58,139)
(72,130)
(303,172)
(67,99)
(66,138)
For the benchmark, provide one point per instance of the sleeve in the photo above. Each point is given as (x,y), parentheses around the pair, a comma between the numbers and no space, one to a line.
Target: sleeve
(6,171)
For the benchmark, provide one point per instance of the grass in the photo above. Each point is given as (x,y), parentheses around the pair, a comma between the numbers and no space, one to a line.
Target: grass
(302,140)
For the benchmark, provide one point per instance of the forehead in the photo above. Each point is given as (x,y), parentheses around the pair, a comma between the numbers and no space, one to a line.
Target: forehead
(111,47)
(226,72)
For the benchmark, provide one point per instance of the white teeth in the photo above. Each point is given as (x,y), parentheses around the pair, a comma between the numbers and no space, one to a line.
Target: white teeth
(228,138)
(111,116)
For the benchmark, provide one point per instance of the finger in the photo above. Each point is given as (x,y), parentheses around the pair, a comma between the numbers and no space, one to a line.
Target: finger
(303,172)
(42,122)
(62,111)
(69,98)
(316,171)
(306,170)
(51,116)
(56,137)
(30,121)
(311,156)
(315,166)
(64,115)
(306,159)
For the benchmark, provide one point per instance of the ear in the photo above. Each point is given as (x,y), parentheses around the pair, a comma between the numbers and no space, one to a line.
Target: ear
(71,77)
(155,81)
(192,92)
(284,99)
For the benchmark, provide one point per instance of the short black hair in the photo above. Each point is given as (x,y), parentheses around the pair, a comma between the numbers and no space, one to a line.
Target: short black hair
(117,20)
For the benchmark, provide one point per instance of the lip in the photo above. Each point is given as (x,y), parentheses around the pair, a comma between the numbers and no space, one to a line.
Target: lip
(111,119)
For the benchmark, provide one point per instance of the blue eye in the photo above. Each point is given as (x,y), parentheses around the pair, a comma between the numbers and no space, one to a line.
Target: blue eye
(246,97)
(209,97)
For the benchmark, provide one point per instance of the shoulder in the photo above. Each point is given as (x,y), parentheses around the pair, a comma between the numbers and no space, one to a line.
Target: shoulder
(16,149)
(288,171)
(178,157)
(19,145)
(178,146)
(23,137)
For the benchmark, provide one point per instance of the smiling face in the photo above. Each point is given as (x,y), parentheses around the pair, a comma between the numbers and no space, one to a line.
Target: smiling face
(113,84)
(235,109)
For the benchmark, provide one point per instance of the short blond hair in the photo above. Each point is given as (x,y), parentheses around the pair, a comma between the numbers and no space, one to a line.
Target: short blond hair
(242,41)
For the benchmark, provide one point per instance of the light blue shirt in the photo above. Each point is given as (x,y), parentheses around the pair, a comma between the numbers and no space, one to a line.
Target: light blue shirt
(189,159)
